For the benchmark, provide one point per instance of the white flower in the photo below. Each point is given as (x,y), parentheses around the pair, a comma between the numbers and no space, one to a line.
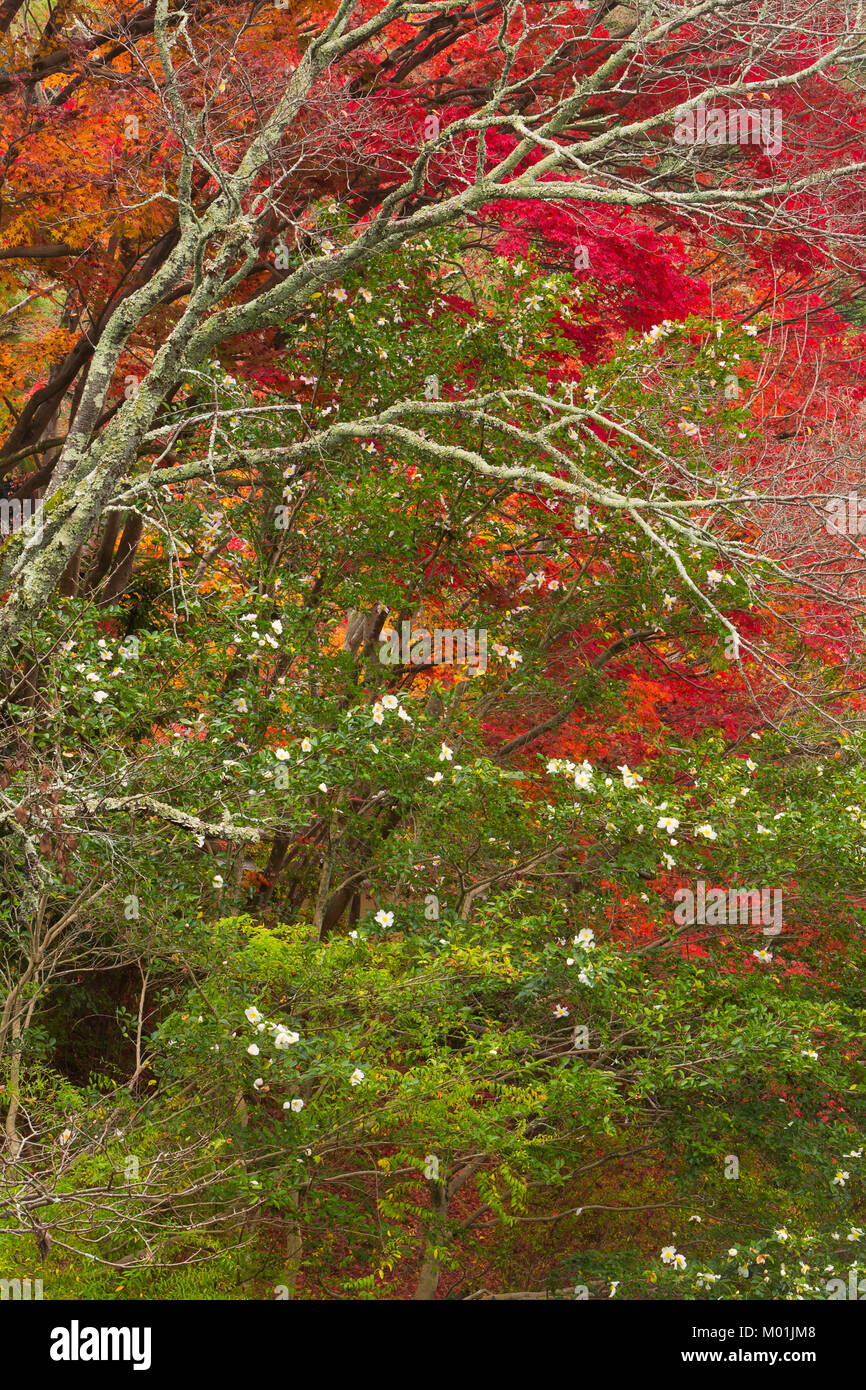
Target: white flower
(560,1011)
(253,1014)
(630,779)
(668,861)
(282,754)
(322,787)
(339,293)
(253,1049)
(668,823)
(669,601)
(217,881)
(297,1105)
(66,1136)
(855,1233)
(389,702)
(367,297)
(707,831)
(586,939)
(763,955)
(743,1271)
(750,765)
(241,705)
(378,714)
(437,777)
(679,1261)
(306,746)
(762,830)
(782,1234)
(446,754)
(258,1083)
(668,1254)
(100,695)
(385,919)
(401,713)
(585,979)
(283,1039)
(841,1178)
(810,1053)
(714,577)
(357,1077)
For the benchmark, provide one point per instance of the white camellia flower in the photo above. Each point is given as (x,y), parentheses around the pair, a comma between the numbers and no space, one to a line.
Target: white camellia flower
(297,1105)
(403,715)
(385,919)
(855,1233)
(258,1083)
(583,777)
(357,1077)
(586,939)
(668,861)
(283,1039)
(668,1254)
(389,702)
(378,714)
(100,695)
(253,1014)
(282,754)
(560,1011)
(714,577)
(306,746)
(66,1136)
(668,823)
(841,1178)
(630,779)
(241,705)
(763,955)
(810,1053)
(446,754)
(679,1261)
(707,831)
(437,777)
(253,1049)
(585,979)
(218,881)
